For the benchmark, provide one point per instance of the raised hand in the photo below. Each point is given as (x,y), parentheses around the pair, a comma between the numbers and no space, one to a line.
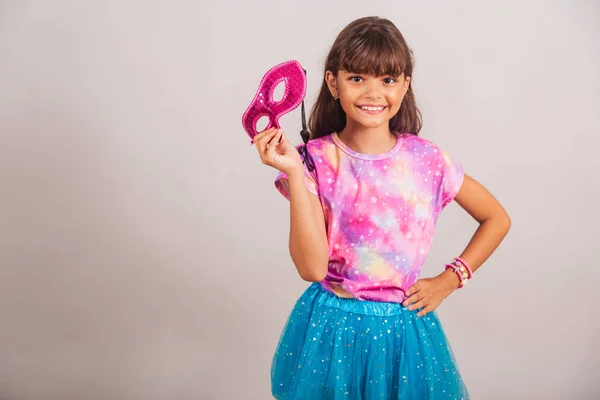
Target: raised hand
(277,151)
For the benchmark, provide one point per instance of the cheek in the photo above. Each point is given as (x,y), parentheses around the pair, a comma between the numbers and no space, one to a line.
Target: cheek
(349,94)
(348,99)
(394,97)
(348,107)
(395,101)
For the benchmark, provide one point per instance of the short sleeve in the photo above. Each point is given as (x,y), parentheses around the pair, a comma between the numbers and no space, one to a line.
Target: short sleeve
(310,182)
(451,178)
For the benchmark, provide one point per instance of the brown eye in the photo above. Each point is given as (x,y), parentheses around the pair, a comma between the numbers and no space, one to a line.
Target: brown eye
(390,80)
(355,78)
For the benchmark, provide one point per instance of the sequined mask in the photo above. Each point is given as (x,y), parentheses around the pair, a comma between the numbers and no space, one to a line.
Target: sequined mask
(264,105)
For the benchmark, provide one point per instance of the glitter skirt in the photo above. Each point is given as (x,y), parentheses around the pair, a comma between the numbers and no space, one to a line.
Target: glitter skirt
(344,348)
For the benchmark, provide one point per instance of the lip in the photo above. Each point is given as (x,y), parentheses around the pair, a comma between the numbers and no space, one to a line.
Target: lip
(371,105)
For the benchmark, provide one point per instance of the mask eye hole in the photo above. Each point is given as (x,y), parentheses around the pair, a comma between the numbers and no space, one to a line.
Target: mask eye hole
(261,123)
(279,91)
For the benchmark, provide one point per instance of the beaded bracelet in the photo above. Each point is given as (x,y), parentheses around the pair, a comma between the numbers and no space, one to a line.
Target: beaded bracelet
(462,276)
(464,263)
(462,269)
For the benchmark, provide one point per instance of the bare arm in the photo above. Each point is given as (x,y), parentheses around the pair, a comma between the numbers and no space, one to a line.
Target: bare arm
(308,238)
(494,224)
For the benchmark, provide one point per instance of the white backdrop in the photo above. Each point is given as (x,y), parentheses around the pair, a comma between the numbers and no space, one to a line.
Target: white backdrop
(143,246)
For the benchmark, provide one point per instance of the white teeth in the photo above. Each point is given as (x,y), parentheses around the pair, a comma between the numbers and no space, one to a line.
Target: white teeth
(371,108)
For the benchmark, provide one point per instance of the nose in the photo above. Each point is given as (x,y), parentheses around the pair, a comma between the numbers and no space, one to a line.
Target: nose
(373,90)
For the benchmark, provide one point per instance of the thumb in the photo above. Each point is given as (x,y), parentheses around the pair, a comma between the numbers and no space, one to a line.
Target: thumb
(273,144)
(285,139)
(285,145)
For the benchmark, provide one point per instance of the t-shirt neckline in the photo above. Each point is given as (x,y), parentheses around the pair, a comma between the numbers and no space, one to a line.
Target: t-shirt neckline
(338,142)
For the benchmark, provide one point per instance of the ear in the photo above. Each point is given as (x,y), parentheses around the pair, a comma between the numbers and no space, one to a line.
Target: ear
(331,83)
(406,83)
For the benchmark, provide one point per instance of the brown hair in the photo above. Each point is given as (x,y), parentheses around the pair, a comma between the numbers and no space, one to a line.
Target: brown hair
(369,45)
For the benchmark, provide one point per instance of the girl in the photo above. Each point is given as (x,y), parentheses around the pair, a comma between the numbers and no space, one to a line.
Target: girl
(365,193)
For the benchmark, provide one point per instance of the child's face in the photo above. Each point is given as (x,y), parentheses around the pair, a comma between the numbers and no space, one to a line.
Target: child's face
(368,100)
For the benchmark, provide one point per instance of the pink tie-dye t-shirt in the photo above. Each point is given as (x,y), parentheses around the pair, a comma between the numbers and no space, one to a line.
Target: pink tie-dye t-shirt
(380,211)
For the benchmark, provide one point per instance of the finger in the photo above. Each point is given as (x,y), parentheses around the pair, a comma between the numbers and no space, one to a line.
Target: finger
(273,143)
(413,298)
(426,310)
(276,139)
(418,304)
(413,289)
(263,133)
(261,143)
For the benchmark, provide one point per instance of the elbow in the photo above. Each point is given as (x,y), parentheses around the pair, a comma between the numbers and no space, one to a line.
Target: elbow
(507,221)
(312,266)
(314,274)
(503,223)
(501,220)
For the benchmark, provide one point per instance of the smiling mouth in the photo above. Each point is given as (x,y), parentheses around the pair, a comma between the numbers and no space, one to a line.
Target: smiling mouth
(371,109)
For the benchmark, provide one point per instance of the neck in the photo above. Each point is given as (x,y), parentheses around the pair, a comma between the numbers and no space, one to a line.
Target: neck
(364,140)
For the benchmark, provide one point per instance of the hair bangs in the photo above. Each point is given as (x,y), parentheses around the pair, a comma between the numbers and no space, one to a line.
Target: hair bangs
(375,54)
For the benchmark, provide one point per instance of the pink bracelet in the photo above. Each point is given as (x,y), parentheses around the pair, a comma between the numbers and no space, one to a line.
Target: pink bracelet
(461,276)
(463,262)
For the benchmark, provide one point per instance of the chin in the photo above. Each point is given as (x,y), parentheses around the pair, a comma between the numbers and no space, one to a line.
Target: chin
(371,123)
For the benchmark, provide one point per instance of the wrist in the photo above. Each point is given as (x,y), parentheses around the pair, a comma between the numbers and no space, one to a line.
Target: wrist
(295,172)
(450,278)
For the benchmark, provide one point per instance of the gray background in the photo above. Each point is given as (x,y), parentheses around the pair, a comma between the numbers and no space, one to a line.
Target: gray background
(143,246)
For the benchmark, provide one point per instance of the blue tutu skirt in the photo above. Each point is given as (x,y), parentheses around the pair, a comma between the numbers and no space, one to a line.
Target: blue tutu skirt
(344,348)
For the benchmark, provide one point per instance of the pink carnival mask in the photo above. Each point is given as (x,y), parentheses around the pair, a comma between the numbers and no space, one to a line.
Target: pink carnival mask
(263,104)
